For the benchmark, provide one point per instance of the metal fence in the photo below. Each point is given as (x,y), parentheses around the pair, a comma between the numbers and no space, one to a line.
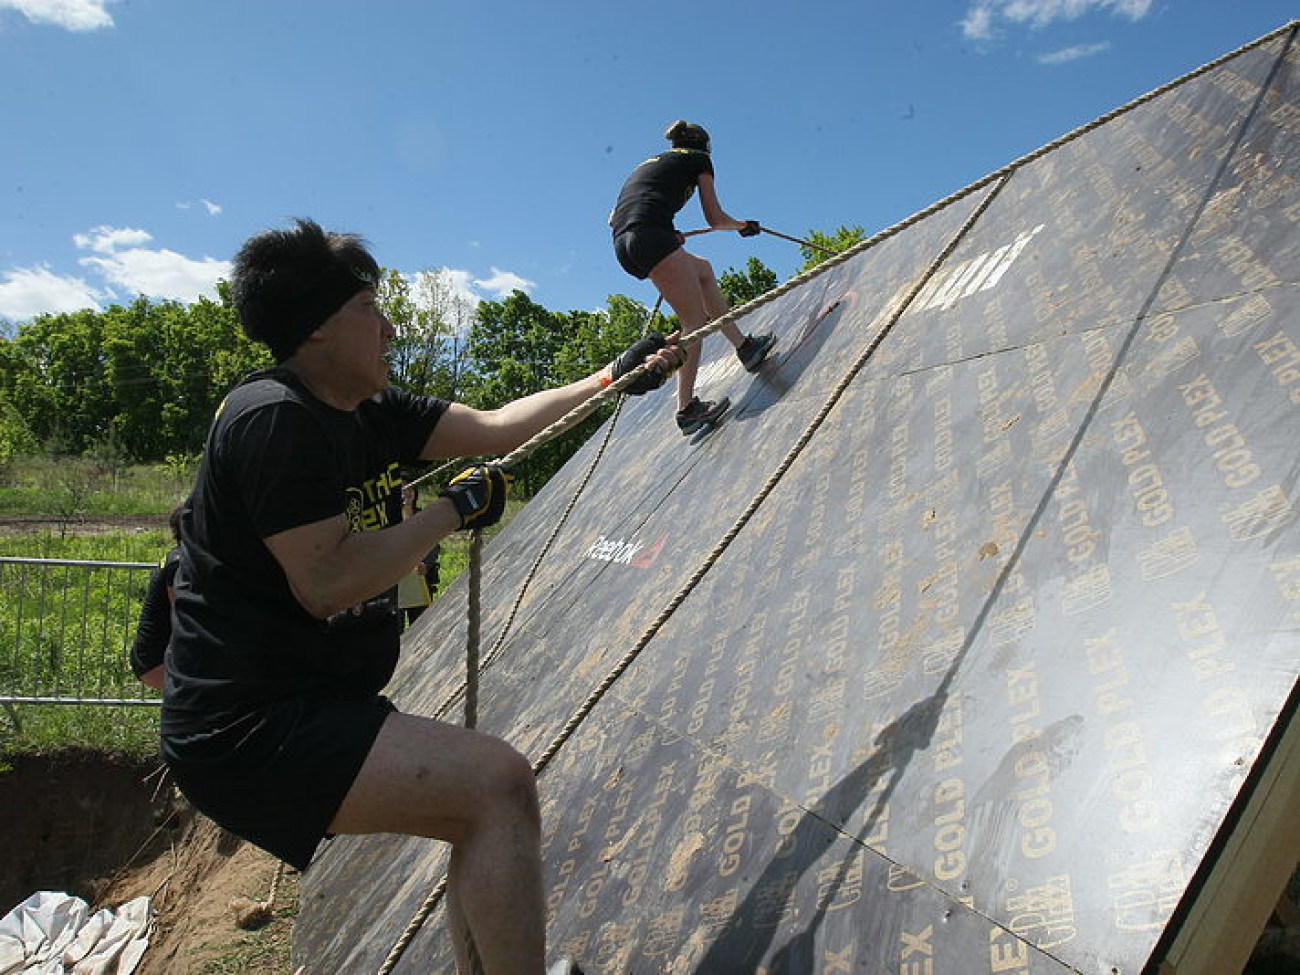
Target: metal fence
(66,628)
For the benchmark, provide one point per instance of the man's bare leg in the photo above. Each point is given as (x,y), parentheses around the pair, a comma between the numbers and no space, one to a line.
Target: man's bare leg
(462,941)
(426,778)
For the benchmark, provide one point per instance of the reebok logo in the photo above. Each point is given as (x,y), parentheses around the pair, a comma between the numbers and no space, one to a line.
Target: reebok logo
(633,552)
(980,273)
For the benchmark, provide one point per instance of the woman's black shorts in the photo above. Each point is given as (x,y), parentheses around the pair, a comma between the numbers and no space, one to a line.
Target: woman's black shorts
(640,247)
(276,777)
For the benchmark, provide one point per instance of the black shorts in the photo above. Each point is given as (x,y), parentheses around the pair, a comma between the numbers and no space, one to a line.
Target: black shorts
(640,247)
(277,777)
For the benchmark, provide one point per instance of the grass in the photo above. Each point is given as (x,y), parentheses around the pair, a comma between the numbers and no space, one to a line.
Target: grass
(70,489)
(38,729)
(136,502)
(264,949)
(139,544)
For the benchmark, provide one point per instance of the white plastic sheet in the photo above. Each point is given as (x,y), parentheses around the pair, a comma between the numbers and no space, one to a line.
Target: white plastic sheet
(55,934)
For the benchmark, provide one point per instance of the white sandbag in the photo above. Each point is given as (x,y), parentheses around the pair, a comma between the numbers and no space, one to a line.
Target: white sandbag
(53,933)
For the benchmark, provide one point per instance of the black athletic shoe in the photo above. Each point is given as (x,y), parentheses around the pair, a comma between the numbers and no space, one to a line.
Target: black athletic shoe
(565,966)
(698,413)
(754,350)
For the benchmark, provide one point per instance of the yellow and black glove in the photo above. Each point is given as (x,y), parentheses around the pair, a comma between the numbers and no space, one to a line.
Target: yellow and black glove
(479,494)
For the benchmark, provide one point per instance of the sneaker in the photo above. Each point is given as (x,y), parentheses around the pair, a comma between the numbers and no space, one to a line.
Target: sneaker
(565,966)
(697,414)
(753,350)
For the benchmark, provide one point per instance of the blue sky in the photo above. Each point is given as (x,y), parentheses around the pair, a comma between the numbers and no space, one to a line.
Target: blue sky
(146,139)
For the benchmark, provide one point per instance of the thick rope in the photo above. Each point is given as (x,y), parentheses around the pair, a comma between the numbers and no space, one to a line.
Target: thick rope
(472,634)
(491,655)
(768,487)
(576,415)
(275,886)
(579,412)
(999,177)
(472,674)
(587,706)
(433,472)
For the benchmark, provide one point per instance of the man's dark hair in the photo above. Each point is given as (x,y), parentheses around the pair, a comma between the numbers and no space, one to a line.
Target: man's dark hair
(285,283)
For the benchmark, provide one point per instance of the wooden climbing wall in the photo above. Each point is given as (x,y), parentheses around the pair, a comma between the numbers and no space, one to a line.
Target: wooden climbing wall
(1005,659)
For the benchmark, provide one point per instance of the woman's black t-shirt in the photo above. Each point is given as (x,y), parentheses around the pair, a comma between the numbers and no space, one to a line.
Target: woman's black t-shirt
(278,458)
(154,631)
(658,188)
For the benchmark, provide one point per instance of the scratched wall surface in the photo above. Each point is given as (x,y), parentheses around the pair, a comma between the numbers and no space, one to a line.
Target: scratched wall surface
(979,683)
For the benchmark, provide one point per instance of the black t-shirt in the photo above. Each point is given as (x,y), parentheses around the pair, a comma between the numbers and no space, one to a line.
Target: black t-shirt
(658,188)
(154,630)
(278,458)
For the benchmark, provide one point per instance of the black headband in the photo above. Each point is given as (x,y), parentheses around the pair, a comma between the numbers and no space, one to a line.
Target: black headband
(316,301)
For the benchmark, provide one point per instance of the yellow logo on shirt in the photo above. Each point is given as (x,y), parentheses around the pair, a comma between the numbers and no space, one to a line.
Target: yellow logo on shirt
(367,505)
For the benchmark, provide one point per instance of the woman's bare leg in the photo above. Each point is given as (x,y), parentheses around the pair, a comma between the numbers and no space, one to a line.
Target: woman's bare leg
(688,285)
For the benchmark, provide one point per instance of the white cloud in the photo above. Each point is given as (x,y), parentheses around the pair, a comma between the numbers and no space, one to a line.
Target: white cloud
(28,292)
(127,264)
(462,285)
(69,14)
(213,209)
(980,22)
(137,270)
(1067,54)
(455,285)
(502,283)
(105,240)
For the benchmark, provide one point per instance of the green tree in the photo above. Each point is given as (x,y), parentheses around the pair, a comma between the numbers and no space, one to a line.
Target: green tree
(207,355)
(145,377)
(136,341)
(16,438)
(58,380)
(841,240)
(594,339)
(432,319)
(741,287)
(170,365)
(512,351)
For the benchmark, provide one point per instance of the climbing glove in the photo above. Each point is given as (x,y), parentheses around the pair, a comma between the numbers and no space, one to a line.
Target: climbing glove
(634,355)
(479,494)
(751,229)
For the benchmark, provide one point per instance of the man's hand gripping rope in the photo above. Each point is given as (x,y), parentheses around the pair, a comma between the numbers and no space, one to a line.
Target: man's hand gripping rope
(479,494)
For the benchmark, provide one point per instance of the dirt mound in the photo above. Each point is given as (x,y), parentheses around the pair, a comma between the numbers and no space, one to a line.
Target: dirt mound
(108,829)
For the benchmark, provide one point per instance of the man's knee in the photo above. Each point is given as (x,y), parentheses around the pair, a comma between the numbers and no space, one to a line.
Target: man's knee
(512,782)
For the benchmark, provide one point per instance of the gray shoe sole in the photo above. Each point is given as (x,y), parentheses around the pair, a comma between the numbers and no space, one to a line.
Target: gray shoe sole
(763,344)
(698,423)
